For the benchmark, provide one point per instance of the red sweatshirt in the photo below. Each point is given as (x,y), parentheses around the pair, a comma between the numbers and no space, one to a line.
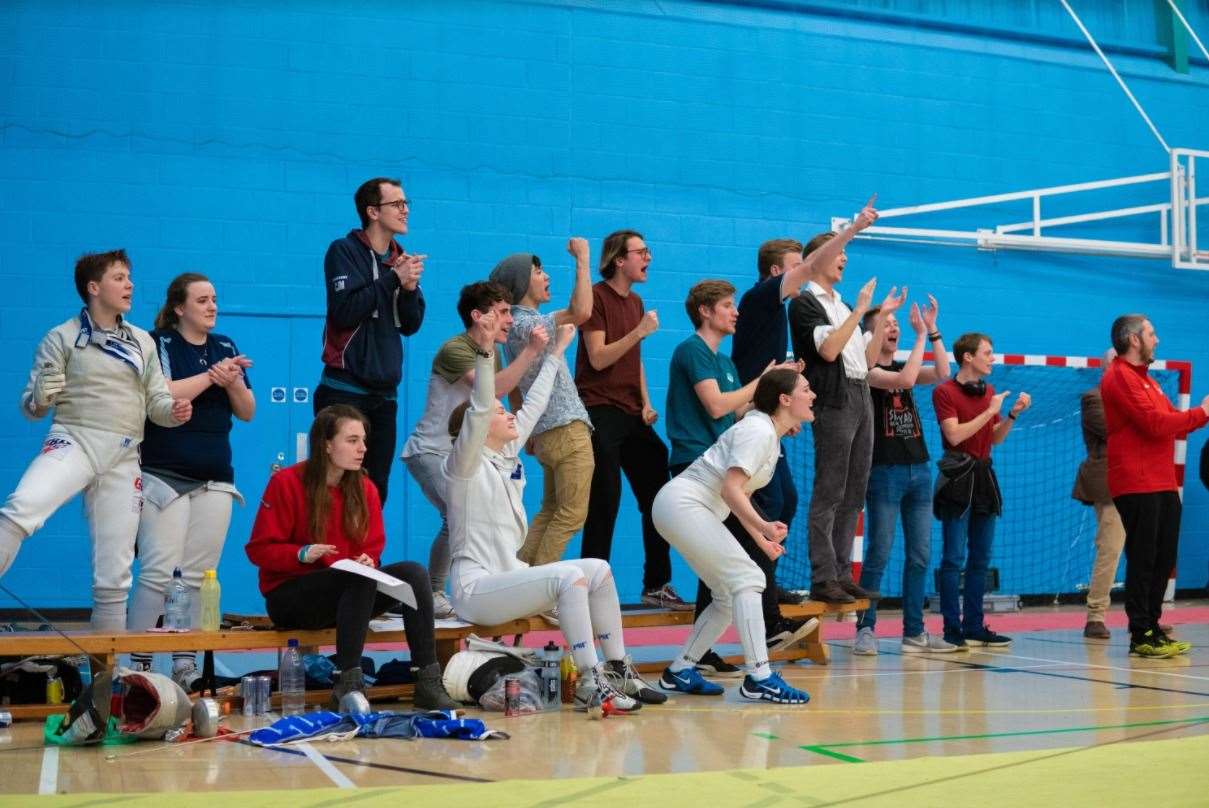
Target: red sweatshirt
(1142,429)
(281,530)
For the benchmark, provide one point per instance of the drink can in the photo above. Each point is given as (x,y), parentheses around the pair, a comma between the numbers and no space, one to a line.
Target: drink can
(512,696)
(6,719)
(264,689)
(247,689)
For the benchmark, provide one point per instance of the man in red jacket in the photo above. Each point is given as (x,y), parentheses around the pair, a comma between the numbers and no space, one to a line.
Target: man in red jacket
(1142,429)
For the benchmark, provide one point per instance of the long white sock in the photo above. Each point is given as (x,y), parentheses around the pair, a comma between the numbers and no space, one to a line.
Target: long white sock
(709,626)
(606,615)
(749,623)
(11,537)
(575,620)
(108,610)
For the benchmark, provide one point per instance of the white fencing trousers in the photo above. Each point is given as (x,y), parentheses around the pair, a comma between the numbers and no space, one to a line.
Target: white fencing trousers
(105,466)
(177,530)
(585,613)
(685,513)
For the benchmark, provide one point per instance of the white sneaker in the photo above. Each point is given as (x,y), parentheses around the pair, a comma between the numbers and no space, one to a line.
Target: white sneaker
(927,644)
(595,688)
(550,616)
(442,609)
(866,643)
(186,676)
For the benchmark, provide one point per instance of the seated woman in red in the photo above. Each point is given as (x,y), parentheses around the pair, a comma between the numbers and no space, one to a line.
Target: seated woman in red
(322,510)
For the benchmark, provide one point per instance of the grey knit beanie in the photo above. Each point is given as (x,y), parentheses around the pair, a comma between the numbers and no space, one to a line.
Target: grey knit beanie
(513,273)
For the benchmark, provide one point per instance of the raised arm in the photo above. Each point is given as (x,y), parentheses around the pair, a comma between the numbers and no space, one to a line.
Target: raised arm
(718,404)
(873,348)
(538,396)
(1022,403)
(831,341)
(468,447)
(579,309)
(905,377)
(792,280)
(939,370)
(602,355)
(508,378)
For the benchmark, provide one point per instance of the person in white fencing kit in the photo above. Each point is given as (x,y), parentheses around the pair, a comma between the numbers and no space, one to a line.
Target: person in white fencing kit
(689,512)
(188,481)
(448,386)
(487,526)
(100,376)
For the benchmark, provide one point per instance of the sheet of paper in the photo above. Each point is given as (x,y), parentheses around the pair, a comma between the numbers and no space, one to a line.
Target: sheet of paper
(387,584)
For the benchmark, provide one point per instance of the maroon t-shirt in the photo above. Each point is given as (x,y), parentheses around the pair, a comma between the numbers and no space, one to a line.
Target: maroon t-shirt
(950,401)
(620,384)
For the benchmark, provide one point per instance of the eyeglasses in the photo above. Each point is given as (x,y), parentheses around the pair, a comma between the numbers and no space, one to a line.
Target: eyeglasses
(645,252)
(399,204)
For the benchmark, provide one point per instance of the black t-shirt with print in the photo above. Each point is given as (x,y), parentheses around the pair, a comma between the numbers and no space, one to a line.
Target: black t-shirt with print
(897,438)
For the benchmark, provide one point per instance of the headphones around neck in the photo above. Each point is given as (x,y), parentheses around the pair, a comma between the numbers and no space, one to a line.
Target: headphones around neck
(974,389)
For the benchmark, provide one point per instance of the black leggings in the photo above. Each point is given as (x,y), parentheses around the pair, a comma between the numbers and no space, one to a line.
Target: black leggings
(331,598)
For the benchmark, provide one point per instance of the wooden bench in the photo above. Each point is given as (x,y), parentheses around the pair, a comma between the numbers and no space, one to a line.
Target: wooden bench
(106,647)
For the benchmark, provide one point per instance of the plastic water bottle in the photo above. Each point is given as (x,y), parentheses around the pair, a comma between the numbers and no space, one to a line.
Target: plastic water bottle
(291,679)
(178,604)
(551,664)
(211,615)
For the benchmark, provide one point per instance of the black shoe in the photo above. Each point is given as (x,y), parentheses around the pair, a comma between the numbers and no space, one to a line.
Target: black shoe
(787,597)
(830,592)
(986,638)
(788,631)
(855,591)
(713,665)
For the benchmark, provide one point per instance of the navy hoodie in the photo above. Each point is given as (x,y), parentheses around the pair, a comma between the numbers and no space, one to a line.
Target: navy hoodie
(367,312)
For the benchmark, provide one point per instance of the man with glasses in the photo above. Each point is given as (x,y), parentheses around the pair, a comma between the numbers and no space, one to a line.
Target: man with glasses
(373,298)
(612,384)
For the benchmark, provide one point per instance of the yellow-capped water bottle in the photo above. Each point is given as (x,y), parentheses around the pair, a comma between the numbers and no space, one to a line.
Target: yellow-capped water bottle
(211,614)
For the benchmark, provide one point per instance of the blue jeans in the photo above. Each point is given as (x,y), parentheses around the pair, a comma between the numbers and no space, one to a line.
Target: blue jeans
(894,488)
(977,531)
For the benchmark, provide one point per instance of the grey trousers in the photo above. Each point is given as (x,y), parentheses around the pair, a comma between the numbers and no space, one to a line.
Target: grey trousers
(843,451)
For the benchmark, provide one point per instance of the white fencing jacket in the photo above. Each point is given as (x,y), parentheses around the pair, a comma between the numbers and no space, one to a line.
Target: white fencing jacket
(484,502)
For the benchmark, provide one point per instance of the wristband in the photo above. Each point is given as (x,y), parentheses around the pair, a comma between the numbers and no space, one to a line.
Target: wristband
(482,353)
(1011,416)
(302,553)
(935,335)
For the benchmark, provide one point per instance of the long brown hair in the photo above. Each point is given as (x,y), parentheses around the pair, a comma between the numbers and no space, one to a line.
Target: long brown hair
(178,293)
(314,478)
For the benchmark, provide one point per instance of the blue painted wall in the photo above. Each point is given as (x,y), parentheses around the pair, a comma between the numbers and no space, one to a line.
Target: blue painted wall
(228,138)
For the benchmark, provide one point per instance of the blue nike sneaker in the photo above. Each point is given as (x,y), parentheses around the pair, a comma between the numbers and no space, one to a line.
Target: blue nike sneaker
(774,689)
(688,681)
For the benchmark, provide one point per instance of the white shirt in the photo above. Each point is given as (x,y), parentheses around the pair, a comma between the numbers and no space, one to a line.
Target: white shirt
(855,364)
(751,445)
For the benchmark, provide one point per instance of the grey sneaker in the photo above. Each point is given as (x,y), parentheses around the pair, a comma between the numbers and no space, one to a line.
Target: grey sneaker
(442,609)
(594,689)
(927,644)
(866,643)
(623,676)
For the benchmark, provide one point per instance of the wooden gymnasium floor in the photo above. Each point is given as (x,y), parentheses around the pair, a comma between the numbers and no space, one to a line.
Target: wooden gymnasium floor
(1054,720)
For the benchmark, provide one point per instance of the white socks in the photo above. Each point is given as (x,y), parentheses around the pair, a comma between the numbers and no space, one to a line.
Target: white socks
(749,623)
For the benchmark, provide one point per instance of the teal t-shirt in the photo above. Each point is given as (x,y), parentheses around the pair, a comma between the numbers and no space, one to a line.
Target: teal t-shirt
(689,426)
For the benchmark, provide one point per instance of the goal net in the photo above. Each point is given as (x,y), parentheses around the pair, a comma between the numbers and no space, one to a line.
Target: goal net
(1044,541)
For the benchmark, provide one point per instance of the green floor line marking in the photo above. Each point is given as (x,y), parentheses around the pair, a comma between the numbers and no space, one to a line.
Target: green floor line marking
(884,742)
(767,736)
(822,750)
